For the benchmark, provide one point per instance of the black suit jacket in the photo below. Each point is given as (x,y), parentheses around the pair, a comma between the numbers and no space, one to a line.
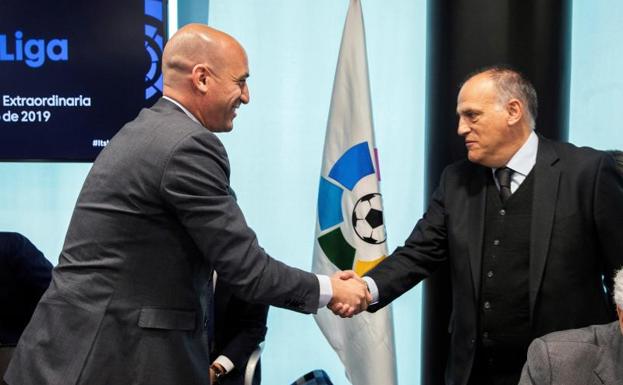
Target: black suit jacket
(24,276)
(240,327)
(127,303)
(576,237)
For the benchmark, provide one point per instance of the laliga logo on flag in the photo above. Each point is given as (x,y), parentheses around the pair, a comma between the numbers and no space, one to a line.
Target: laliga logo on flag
(351,191)
(34,50)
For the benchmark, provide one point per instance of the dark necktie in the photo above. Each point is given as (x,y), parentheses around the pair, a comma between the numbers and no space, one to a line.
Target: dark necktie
(503,175)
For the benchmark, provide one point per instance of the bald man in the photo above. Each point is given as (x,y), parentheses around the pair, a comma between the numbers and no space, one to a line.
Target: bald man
(130,301)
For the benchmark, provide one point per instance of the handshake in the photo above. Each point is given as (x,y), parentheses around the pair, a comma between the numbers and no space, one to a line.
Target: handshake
(350,294)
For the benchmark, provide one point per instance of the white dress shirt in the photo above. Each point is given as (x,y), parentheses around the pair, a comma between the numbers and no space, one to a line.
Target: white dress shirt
(522,162)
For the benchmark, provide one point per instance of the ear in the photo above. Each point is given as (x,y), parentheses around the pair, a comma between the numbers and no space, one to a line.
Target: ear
(514,108)
(201,77)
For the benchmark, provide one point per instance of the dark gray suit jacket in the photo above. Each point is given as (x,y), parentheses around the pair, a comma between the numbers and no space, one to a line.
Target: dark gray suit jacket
(127,301)
(576,233)
(589,356)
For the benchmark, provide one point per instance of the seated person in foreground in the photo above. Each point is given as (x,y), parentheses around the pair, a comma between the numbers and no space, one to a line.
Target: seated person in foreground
(24,275)
(592,355)
(240,328)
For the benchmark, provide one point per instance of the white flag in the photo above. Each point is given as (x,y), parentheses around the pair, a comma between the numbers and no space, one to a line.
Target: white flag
(350,233)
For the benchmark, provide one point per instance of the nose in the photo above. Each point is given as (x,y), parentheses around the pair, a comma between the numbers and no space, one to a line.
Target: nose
(245,97)
(463,128)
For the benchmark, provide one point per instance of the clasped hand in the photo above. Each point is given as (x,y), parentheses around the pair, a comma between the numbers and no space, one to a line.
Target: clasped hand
(350,294)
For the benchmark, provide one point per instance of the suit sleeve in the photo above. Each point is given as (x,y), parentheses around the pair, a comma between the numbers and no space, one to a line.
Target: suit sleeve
(608,217)
(537,370)
(195,185)
(424,250)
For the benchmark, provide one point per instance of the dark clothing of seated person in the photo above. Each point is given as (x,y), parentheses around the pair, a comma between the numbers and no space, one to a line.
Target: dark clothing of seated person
(24,275)
(240,327)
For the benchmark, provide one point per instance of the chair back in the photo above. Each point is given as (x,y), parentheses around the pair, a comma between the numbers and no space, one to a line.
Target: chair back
(254,358)
(316,377)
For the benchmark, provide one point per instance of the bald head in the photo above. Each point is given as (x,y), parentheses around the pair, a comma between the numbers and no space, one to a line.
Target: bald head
(191,45)
(205,70)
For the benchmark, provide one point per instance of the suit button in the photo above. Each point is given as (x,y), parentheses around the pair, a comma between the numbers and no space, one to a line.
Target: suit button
(502,212)
(496,242)
(487,305)
(485,335)
(472,341)
(490,274)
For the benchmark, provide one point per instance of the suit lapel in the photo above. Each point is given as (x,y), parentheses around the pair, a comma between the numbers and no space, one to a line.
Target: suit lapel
(477,198)
(546,181)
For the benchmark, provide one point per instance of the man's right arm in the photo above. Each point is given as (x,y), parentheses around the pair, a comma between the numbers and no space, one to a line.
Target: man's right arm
(424,250)
(195,184)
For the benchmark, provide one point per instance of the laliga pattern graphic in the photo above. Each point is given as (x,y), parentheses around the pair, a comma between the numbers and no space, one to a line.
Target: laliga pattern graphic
(154,41)
(349,191)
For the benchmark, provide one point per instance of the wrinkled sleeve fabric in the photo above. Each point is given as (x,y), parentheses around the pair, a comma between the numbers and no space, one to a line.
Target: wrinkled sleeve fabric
(424,250)
(195,185)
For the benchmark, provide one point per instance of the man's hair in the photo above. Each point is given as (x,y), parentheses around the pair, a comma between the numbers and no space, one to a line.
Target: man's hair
(510,84)
(618,288)
(618,158)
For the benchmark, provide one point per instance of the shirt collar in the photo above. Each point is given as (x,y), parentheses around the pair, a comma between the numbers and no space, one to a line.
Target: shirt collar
(525,158)
(183,108)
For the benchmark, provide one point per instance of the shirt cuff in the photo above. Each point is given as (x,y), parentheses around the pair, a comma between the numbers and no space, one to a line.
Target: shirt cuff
(225,363)
(326,291)
(373,289)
